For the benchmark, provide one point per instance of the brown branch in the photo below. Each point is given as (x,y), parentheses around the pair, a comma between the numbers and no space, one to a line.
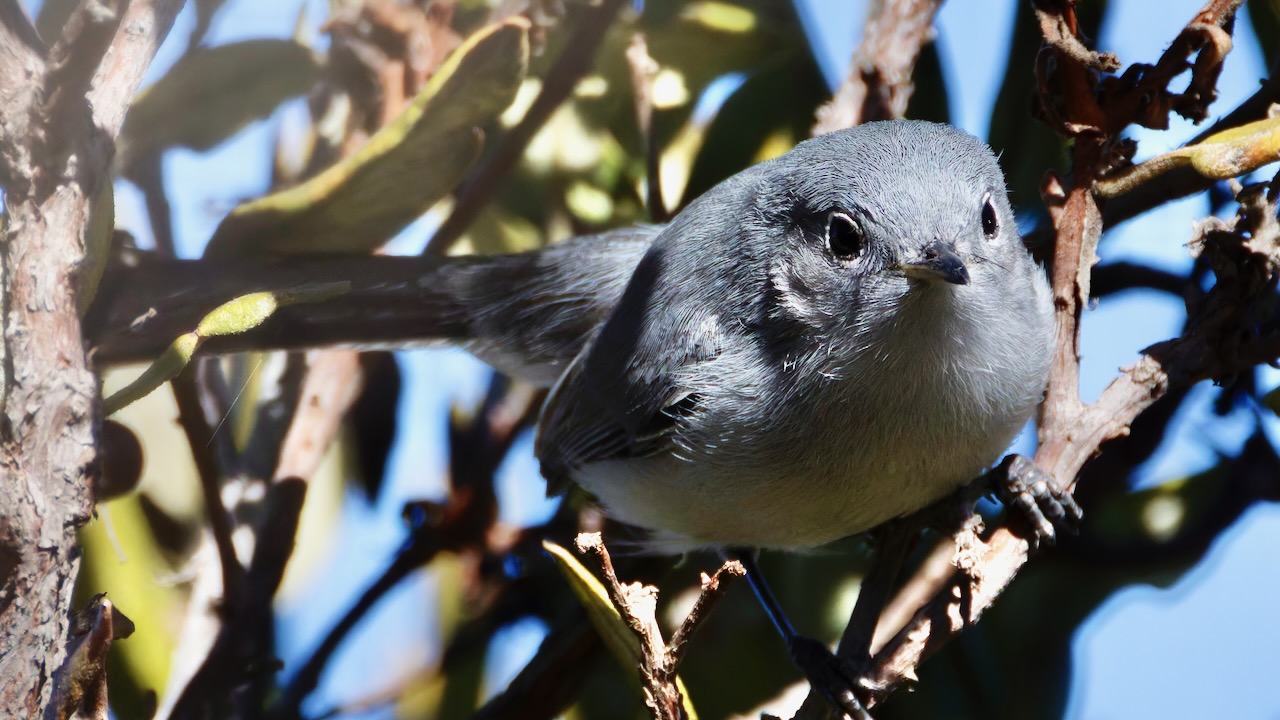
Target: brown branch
(574,62)
(21,66)
(879,83)
(712,589)
(73,61)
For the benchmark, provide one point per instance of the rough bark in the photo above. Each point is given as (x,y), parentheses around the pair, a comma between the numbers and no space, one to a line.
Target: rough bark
(62,113)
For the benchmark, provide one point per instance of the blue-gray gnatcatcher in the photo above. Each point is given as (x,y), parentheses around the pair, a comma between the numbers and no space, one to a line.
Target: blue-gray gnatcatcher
(819,344)
(824,341)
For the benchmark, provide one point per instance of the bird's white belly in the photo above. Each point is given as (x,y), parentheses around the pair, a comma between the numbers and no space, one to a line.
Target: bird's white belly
(821,495)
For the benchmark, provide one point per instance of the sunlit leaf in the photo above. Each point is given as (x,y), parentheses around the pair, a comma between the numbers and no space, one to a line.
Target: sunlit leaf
(122,559)
(408,165)
(234,316)
(618,637)
(1227,154)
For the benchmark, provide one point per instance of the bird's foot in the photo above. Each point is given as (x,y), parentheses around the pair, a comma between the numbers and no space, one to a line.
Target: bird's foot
(835,678)
(1024,487)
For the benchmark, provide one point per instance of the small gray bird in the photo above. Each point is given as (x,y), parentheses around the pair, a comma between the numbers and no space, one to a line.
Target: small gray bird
(821,343)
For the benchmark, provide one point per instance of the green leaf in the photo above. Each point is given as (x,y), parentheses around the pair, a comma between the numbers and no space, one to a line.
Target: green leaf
(405,168)
(606,619)
(617,636)
(1227,154)
(211,93)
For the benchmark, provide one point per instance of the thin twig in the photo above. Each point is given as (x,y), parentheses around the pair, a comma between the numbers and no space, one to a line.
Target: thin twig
(713,588)
(199,432)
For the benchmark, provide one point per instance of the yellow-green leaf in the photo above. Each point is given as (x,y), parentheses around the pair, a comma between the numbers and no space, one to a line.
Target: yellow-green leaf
(234,316)
(1227,154)
(618,637)
(358,204)
(211,93)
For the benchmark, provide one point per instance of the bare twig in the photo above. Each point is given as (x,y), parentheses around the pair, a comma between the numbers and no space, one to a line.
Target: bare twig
(879,83)
(713,588)
(573,63)
(637,603)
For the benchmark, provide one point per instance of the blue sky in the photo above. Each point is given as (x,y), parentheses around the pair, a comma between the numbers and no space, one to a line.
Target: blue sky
(1204,646)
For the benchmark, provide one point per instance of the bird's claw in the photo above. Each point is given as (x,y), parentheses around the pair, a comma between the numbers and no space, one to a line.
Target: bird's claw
(1022,485)
(835,678)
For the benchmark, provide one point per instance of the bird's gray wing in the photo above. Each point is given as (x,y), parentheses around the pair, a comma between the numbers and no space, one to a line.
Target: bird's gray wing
(627,393)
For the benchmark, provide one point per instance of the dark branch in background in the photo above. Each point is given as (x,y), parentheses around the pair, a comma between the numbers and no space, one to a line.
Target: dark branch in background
(879,83)
(547,684)
(1116,277)
(200,435)
(461,524)
(148,173)
(643,69)
(574,62)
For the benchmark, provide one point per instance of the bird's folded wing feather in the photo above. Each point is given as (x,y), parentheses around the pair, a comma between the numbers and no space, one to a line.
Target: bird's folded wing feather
(606,408)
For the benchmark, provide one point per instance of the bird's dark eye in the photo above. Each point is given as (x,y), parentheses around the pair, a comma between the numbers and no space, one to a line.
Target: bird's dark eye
(844,235)
(990,221)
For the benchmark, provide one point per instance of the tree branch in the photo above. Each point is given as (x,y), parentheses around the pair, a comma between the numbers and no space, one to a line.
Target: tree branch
(879,83)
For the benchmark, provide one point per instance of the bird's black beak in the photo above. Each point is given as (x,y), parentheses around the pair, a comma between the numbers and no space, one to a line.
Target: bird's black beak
(938,261)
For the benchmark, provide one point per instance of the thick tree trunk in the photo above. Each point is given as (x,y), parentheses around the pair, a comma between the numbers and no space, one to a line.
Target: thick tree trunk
(62,110)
